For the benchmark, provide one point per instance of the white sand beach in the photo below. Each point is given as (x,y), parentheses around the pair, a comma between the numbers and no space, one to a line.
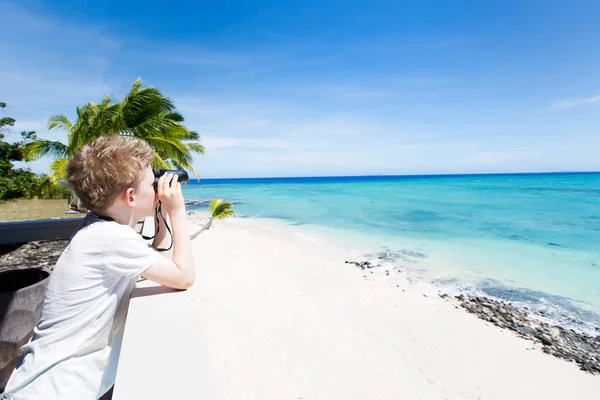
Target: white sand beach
(276,315)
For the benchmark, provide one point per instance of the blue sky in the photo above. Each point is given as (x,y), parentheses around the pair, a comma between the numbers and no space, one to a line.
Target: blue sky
(303,88)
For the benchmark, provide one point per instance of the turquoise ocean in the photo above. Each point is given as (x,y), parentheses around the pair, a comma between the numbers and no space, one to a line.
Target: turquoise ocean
(531,239)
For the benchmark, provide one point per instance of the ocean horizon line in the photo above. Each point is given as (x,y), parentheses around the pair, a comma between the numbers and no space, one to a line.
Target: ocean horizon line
(406,176)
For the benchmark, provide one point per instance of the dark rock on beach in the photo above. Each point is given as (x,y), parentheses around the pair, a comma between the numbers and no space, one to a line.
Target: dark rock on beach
(362,264)
(563,343)
(43,254)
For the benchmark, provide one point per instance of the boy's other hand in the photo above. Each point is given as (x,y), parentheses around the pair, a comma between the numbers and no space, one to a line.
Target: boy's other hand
(170,195)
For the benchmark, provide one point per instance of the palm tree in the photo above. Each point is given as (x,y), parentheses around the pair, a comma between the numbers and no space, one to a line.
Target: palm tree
(144,113)
(219,210)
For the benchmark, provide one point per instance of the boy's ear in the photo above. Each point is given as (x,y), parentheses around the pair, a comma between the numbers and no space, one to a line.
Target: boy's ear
(130,197)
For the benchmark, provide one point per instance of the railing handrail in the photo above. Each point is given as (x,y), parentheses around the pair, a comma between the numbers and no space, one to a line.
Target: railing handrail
(41,229)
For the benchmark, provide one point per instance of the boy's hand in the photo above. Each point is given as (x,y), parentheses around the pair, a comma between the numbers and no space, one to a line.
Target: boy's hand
(170,195)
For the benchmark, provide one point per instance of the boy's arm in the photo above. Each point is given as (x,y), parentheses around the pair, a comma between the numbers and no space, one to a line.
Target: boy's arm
(179,272)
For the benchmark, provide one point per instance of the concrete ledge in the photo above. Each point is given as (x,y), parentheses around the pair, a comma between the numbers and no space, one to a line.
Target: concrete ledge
(163,354)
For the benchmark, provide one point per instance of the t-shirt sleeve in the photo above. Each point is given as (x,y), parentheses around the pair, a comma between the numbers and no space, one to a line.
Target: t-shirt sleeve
(128,254)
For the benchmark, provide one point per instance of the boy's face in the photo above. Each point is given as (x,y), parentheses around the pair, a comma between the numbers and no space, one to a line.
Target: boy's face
(145,196)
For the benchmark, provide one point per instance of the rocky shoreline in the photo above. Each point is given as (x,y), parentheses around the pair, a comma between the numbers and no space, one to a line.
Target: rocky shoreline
(567,344)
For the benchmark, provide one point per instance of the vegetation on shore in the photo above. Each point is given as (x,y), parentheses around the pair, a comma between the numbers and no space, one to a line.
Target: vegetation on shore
(18,183)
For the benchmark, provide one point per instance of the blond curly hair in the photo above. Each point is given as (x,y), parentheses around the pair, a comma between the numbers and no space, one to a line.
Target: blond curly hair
(101,169)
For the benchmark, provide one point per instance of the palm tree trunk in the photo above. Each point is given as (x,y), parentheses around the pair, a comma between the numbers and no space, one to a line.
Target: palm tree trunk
(204,228)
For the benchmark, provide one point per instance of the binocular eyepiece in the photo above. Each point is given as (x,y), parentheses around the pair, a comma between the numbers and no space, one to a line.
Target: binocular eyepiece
(182,176)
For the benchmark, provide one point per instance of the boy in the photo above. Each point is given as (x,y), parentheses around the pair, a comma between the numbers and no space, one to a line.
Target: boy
(74,351)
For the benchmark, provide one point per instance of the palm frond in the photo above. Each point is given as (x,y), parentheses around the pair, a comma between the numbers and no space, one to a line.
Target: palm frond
(196,147)
(142,104)
(59,169)
(157,126)
(191,167)
(168,148)
(95,120)
(220,209)
(60,122)
(159,162)
(81,110)
(174,116)
(40,148)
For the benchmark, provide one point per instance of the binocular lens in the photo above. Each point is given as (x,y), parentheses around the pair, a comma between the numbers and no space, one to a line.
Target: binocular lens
(182,176)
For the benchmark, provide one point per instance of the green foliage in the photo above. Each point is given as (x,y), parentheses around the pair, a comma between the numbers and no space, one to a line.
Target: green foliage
(220,210)
(8,152)
(47,189)
(19,183)
(144,113)
(22,183)
(14,183)
(5,121)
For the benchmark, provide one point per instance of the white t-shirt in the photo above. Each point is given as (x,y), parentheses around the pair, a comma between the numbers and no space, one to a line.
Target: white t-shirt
(74,351)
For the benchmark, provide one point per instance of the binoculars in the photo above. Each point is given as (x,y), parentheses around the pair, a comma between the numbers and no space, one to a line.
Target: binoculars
(182,176)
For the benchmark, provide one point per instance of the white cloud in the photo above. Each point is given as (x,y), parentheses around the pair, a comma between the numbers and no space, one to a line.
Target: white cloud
(498,157)
(218,144)
(570,103)
(244,123)
(247,136)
